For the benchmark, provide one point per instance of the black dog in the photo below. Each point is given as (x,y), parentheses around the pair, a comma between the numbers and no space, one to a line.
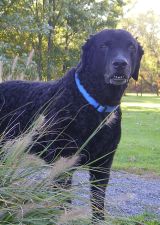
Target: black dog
(86,95)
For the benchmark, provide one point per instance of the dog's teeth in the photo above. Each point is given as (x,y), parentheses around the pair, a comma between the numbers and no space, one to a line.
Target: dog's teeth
(119,77)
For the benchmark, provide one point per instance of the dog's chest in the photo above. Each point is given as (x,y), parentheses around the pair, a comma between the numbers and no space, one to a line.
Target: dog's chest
(94,125)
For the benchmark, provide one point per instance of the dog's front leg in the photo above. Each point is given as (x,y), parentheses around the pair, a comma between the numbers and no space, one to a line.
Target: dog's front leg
(99,177)
(98,186)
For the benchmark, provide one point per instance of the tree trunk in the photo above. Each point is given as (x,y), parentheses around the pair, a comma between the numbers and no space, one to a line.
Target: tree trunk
(39,62)
(64,67)
(136,88)
(39,45)
(157,89)
(50,41)
(49,51)
(141,87)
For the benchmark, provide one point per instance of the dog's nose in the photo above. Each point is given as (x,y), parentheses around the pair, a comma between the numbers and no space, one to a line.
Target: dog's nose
(120,63)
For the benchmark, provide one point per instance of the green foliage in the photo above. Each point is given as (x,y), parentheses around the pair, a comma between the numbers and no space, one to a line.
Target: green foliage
(54,29)
(146,27)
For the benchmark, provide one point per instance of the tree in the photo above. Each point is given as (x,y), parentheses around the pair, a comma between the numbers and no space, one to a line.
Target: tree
(54,29)
(146,27)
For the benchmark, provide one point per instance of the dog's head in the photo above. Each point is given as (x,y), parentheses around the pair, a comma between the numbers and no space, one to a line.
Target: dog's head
(114,55)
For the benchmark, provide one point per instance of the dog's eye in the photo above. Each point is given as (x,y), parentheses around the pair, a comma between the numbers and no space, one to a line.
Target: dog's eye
(104,45)
(132,48)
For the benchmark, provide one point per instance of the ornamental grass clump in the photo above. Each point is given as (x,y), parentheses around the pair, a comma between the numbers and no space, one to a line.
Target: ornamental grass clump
(29,189)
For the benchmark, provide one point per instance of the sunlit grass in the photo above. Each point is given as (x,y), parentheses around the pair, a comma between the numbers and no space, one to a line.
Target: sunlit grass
(140,143)
(144,219)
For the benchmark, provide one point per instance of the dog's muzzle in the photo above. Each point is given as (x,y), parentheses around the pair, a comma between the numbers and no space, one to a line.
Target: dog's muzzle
(120,68)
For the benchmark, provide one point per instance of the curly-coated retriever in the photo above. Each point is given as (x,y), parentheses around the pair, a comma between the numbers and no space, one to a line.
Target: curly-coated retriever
(78,102)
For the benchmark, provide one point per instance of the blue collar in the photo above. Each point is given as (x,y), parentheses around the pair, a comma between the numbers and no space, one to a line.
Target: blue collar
(91,100)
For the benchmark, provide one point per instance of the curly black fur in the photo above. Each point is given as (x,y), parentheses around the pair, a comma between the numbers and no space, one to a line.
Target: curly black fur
(61,101)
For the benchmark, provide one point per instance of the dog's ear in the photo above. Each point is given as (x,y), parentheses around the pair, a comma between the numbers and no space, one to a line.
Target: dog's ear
(140,53)
(85,55)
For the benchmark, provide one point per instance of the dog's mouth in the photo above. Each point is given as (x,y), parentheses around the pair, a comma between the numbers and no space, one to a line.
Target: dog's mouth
(118,79)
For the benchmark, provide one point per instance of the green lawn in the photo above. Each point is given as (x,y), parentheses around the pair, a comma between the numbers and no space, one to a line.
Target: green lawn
(144,219)
(139,149)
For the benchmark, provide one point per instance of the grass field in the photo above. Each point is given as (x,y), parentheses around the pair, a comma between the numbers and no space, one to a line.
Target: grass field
(140,144)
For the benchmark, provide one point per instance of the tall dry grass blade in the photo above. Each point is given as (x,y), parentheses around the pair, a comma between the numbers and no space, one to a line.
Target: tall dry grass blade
(30,160)
(16,147)
(62,165)
(25,209)
(30,57)
(1,71)
(38,125)
(111,119)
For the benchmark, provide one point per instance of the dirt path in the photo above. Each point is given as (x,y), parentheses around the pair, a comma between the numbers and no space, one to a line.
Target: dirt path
(127,194)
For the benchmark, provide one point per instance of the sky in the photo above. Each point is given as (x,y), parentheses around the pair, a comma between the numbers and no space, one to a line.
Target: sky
(143,6)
